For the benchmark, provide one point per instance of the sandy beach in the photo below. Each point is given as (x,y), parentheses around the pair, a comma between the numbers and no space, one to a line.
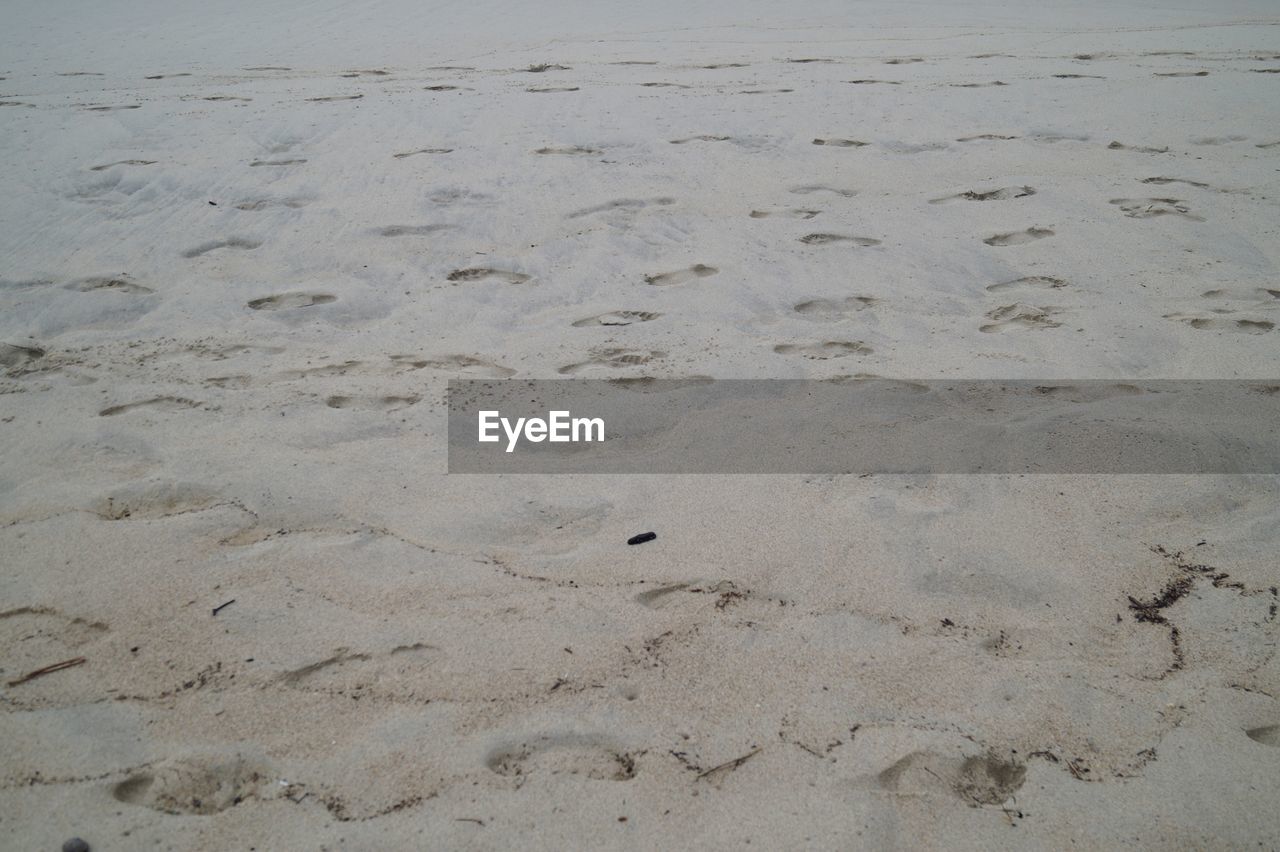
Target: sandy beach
(243,249)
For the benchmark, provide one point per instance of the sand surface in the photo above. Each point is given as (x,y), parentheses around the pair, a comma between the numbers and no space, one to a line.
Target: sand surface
(243,248)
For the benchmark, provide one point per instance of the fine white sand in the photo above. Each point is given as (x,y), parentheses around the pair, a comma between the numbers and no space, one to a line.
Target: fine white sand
(244,245)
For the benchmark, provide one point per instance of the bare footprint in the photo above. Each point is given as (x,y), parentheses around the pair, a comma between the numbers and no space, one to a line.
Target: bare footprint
(1029,282)
(792,213)
(116,285)
(1018,238)
(1161,181)
(373,403)
(976,780)
(459,364)
(831,310)
(163,403)
(193,785)
(622,204)
(1267,735)
(481,273)
(828,239)
(268,203)
(1002,194)
(411,230)
(285,301)
(615,318)
(14,356)
(1220,323)
(153,500)
(1016,316)
(987,137)
(812,189)
(231,242)
(404,154)
(1149,208)
(105,166)
(1141,149)
(824,350)
(570,151)
(614,359)
(681,276)
(701,138)
(567,754)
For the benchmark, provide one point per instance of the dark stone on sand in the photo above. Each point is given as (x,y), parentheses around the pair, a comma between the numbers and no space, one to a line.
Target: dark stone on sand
(75,844)
(642,538)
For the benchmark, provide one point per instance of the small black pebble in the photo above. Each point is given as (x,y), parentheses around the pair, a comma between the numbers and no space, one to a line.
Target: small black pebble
(75,844)
(213,203)
(642,538)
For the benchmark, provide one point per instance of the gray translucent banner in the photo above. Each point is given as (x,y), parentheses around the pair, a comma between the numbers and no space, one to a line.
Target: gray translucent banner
(863,426)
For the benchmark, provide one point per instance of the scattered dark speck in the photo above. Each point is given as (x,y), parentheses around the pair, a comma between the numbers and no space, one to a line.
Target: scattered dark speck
(642,538)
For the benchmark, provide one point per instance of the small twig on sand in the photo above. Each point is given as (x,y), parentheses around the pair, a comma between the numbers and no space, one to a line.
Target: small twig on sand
(220,607)
(56,667)
(728,766)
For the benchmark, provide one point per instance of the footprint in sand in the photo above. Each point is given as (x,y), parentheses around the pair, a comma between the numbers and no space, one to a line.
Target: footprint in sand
(163,403)
(1267,735)
(411,230)
(285,301)
(551,89)
(622,204)
(1004,193)
(591,757)
(373,403)
(986,137)
(570,151)
(268,203)
(832,310)
(792,213)
(152,500)
(16,357)
(459,364)
(828,239)
(1161,181)
(613,358)
(1141,149)
(977,780)
(825,350)
(615,318)
(1029,282)
(1220,323)
(116,285)
(105,166)
(841,143)
(336,98)
(701,138)
(257,163)
(1007,317)
(1018,238)
(232,242)
(812,189)
(194,785)
(1150,208)
(482,273)
(404,154)
(681,276)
